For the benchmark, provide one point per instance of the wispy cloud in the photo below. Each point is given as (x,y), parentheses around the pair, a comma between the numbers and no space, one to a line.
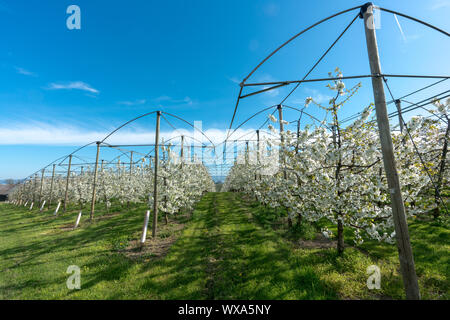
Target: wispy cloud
(271,9)
(404,37)
(166,99)
(268,78)
(77,85)
(37,133)
(440,4)
(234,80)
(25,72)
(132,103)
(400,28)
(313,93)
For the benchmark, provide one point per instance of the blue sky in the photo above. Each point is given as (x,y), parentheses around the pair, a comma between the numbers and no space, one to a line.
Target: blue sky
(63,88)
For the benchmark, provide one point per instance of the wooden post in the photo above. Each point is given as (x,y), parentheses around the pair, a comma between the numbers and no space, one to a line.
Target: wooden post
(131,162)
(203,150)
(258,159)
(235,151)
(399,111)
(298,133)
(101,168)
(41,187)
(166,215)
(131,173)
(94,185)
(67,183)
(51,187)
(282,160)
(182,149)
(155,190)
(34,187)
(398,210)
(246,152)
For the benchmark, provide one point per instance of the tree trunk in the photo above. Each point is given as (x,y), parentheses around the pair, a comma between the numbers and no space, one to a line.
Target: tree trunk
(289,219)
(299,219)
(340,241)
(437,191)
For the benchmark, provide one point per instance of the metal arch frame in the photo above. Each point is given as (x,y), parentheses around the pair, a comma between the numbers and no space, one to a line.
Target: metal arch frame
(302,111)
(279,84)
(333,16)
(63,158)
(268,108)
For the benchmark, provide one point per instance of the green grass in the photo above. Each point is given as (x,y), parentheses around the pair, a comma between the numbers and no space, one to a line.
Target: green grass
(228,249)
(430,241)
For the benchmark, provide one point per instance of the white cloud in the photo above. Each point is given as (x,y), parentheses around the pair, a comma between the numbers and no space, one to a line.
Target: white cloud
(400,28)
(404,37)
(268,78)
(162,98)
(170,100)
(234,80)
(132,103)
(37,133)
(25,72)
(78,85)
(440,4)
(315,94)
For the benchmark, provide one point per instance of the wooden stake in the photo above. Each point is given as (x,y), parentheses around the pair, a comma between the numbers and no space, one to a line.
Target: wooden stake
(398,210)
(144,228)
(57,208)
(78,220)
(67,183)
(42,206)
(155,190)
(95,182)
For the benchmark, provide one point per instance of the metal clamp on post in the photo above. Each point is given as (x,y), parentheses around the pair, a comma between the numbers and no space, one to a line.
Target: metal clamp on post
(364,8)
